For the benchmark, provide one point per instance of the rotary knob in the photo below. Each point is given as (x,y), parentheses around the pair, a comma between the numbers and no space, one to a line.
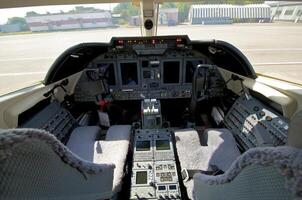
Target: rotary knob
(256,108)
(262,113)
(152,184)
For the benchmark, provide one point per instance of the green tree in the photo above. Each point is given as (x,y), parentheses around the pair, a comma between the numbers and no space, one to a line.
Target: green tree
(126,10)
(169,5)
(18,21)
(183,11)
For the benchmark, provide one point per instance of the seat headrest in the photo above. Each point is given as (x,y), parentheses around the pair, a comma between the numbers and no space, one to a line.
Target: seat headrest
(285,159)
(295,130)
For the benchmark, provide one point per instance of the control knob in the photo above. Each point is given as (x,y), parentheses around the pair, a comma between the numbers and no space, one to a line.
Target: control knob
(152,184)
(174,94)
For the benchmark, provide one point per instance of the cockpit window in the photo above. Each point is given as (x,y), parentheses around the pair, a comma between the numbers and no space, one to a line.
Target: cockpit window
(268,34)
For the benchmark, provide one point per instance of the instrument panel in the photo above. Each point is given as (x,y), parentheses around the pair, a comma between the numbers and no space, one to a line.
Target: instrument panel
(150,77)
(136,69)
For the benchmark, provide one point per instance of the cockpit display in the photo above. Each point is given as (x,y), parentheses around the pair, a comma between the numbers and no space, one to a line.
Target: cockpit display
(129,73)
(141,177)
(143,145)
(162,145)
(171,71)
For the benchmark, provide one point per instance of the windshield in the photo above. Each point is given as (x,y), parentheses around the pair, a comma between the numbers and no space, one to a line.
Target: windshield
(268,33)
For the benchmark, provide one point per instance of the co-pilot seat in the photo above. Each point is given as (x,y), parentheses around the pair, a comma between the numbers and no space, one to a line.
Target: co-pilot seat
(81,141)
(114,149)
(204,151)
(35,165)
(260,173)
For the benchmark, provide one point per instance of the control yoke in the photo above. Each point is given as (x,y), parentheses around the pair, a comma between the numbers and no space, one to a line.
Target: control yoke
(200,85)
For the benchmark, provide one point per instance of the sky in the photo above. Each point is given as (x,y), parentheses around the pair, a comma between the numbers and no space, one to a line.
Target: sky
(20,12)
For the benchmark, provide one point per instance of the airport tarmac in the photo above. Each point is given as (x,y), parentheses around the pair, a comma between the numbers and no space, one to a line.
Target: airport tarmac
(274,49)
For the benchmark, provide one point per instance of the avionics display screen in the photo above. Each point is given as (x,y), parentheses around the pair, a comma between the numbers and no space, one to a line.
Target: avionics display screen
(141,177)
(107,71)
(172,187)
(162,145)
(191,65)
(161,187)
(143,145)
(171,72)
(129,73)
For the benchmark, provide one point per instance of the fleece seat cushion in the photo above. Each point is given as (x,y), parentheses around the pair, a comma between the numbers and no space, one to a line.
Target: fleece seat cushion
(81,141)
(220,150)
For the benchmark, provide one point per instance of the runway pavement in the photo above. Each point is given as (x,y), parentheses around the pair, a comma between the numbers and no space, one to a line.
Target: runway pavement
(274,49)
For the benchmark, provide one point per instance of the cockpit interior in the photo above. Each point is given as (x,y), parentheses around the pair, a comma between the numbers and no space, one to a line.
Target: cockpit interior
(146,118)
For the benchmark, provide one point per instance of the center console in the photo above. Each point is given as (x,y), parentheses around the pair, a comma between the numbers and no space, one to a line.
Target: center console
(154,172)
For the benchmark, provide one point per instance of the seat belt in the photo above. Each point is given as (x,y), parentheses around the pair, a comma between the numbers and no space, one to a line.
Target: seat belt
(187,174)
